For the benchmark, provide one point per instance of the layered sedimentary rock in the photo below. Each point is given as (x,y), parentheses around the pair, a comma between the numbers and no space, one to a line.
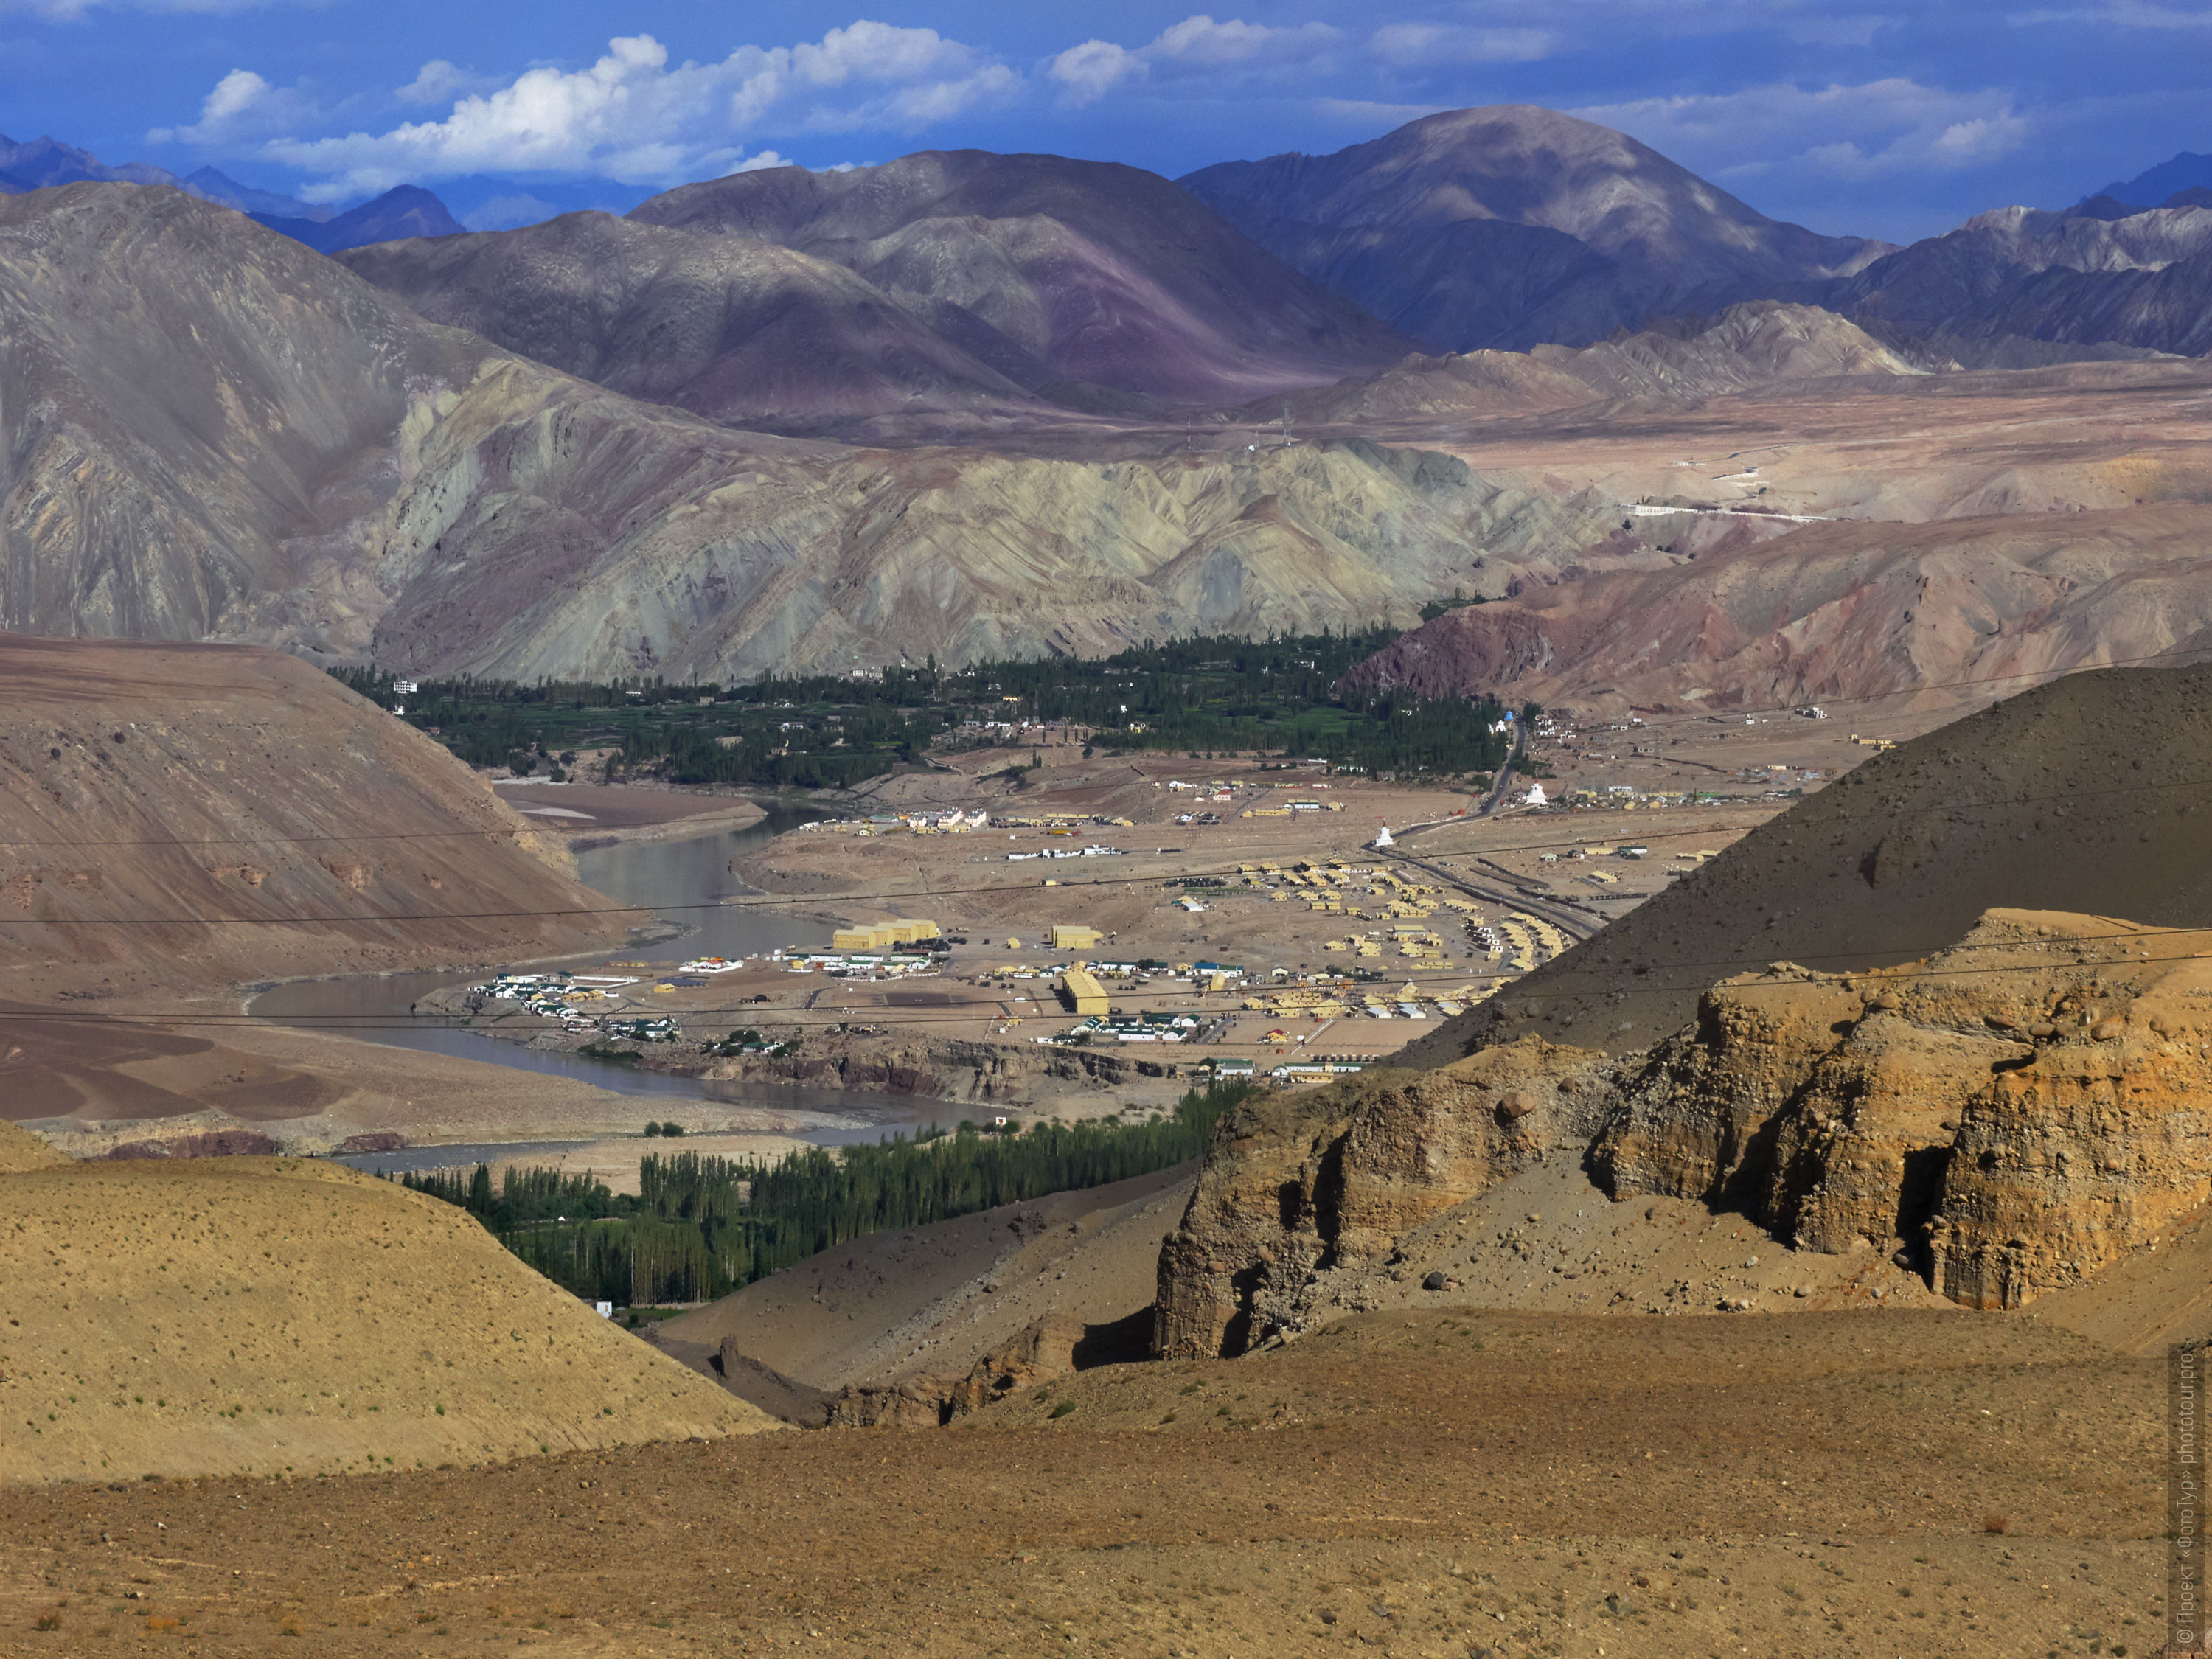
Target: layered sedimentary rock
(1687,1121)
(1299,1188)
(2008,1116)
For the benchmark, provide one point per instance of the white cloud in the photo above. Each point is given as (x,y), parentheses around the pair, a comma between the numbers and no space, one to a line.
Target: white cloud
(1882,127)
(439,83)
(635,117)
(241,107)
(1088,72)
(1416,46)
(1197,46)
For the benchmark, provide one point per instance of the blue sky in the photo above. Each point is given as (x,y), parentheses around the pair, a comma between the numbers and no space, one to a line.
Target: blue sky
(1885,119)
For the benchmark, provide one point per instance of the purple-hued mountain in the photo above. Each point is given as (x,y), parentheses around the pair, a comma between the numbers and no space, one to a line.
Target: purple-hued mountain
(1513,226)
(1108,274)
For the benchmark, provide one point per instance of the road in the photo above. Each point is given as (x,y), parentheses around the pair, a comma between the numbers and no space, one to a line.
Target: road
(1569,918)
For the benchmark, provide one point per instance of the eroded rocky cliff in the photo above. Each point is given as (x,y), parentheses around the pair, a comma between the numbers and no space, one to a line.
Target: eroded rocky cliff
(1300,1192)
(2008,1117)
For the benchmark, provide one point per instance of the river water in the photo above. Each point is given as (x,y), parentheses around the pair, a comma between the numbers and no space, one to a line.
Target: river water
(682,880)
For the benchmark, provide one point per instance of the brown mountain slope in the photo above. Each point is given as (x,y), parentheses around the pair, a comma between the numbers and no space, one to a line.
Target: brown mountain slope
(2084,795)
(1111,274)
(2072,282)
(1832,612)
(179,815)
(1393,222)
(729,562)
(257,1317)
(734,328)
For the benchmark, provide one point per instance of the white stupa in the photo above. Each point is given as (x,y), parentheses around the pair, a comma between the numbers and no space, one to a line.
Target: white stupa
(1383,839)
(1535,794)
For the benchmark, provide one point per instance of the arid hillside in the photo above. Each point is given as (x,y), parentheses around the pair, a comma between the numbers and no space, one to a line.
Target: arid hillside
(2127,278)
(320,469)
(735,329)
(176,815)
(1756,343)
(266,1317)
(1840,612)
(1430,1483)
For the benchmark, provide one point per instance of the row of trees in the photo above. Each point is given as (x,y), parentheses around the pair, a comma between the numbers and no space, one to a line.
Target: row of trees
(702,1226)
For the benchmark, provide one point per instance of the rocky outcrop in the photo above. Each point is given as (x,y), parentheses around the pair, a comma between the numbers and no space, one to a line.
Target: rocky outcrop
(2095,1149)
(1686,1125)
(1050,1348)
(2013,1113)
(2007,1116)
(1300,1191)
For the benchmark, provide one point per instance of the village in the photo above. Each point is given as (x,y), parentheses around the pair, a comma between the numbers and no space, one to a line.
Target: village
(1112,928)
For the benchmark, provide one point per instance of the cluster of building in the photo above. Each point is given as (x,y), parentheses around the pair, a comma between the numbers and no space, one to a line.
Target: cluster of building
(1521,939)
(883,935)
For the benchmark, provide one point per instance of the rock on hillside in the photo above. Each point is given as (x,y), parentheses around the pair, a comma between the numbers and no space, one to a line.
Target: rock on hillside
(1510,226)
(2019,1111)
(2009,1117)
(257,1317)
(732,328)
(1300,1194)
(1110,274)
(1831,612)
(270,811)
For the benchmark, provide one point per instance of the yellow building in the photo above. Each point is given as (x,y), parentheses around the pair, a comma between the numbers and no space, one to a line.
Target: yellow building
(1085,992)
(882,935)
(1075,938)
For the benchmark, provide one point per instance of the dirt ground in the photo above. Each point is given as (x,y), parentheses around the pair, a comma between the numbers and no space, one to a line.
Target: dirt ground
(1416,1484)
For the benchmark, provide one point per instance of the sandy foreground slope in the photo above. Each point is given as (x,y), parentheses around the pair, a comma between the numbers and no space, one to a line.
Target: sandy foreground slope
(267,1317)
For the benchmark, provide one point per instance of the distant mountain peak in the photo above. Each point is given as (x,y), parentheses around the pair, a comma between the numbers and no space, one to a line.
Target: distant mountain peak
(1513,225)
(404,211)
(2153,185)
(45,162)
(222,188)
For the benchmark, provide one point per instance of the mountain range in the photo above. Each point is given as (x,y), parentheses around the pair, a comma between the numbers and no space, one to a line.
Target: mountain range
(794,420)
(44,163)
(987,286)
